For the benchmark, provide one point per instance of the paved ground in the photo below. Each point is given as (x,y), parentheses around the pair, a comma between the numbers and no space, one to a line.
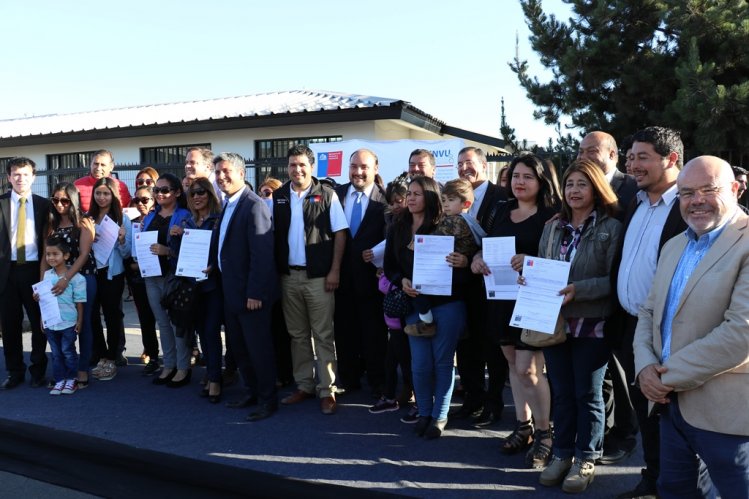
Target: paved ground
(352,448)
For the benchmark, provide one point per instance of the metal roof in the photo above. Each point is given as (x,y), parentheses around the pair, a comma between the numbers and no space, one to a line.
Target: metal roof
(267,104)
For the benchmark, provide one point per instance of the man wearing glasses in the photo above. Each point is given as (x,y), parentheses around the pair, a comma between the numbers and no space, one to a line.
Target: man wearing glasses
(199,163)
(102,164)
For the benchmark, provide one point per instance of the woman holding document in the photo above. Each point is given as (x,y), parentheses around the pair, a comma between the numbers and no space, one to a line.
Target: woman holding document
(432,357)
(534,200)
(586,235)
(208,313)
(170,211)
(106,210)
(69,223)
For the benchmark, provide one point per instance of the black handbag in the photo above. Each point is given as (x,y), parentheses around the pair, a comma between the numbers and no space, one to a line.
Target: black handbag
(179,298)
(396,304)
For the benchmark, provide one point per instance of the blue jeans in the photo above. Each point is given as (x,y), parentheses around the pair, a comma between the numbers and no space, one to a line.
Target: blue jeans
(176,351)
(576,368)
(682,472)
(432,359)
(64,356)
(86,335)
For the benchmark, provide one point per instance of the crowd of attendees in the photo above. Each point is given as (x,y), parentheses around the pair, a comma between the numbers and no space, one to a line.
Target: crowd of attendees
(298,272)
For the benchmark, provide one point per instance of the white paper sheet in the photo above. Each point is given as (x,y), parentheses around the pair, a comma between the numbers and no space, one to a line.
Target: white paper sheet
(48,305)
(131,213)
(106,237)
(136,229)
(502,283)
(193,253)
(432,275)
(379,255)
(147,261)
(538,302)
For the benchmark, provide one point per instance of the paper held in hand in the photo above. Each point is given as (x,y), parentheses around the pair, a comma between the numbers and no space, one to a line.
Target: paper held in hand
(538,302)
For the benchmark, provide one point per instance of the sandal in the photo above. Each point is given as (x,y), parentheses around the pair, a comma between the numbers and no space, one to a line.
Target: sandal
(520,438)
(539,454)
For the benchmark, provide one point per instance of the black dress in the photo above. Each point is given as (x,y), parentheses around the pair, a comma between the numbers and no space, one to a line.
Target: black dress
(527,235)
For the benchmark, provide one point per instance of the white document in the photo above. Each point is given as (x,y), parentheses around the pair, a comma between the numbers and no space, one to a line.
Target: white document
(538,302)
(47,304)
(136,229)
(131,213)
(193,253)
(106,237)
(147,261)
(379,255)
(502,283)
(432,274)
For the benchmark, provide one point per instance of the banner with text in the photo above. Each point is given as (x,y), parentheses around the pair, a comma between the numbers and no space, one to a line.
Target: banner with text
(332,158)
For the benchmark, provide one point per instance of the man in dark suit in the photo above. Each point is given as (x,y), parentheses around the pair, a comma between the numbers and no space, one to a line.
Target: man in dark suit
(600,148)
(651,220)
(475,352)
(22,229)
(250,283)
(360,334)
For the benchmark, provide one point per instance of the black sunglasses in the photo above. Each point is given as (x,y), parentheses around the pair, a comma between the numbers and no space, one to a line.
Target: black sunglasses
(143,200)
(162,190)
(266,193)
(198,192)
(144,181)
(62,201)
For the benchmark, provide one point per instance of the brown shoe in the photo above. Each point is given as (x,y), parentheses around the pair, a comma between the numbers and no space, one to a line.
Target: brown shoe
(296,397)
(328,405)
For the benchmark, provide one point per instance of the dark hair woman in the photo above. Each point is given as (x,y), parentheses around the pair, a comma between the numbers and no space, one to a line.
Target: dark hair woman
(110,278)
(69,223)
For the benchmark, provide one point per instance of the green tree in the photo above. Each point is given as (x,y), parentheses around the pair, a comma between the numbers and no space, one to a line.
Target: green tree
(620,65)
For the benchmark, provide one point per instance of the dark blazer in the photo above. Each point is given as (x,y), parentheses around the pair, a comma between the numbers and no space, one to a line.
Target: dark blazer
(357,274)
(248,268)
(493,194)
(625,187)
(41,218)
(674,226)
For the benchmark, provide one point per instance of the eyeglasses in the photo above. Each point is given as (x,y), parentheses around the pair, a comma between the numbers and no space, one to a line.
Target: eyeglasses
(266,193)
(198,192)
(144,181)
(62,201)
(143,200)
(162,190)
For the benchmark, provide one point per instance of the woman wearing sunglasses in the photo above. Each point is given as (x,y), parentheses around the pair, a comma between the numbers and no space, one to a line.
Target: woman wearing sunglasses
(110,279)
(170,211)
(205,209)
(144,202)
(146,177)
(69,223)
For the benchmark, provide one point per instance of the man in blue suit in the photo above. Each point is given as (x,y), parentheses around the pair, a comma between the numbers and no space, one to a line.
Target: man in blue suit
(244,256)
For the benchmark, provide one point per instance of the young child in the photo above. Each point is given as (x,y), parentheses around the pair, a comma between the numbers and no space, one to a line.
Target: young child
(62,336)
(457,198)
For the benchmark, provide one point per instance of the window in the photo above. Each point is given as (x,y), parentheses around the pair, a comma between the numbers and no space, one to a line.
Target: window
(270,155)
(166,155)
(74,165)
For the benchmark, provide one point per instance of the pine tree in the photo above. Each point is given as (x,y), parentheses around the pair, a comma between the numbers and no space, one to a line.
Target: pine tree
(620,65)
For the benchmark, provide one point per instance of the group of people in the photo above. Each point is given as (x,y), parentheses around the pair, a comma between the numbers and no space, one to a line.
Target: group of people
(294,280)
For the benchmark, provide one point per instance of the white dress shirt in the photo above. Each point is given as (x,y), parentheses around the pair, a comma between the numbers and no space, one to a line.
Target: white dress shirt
(296,238)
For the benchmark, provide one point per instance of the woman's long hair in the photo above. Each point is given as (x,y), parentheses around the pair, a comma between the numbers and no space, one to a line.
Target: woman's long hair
(213,204)
(604,198)
(432,213)
(548,192)
(75,214)
(115,209)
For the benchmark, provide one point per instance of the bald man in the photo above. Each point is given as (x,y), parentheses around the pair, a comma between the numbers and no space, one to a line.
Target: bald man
(692,353)
(600,148)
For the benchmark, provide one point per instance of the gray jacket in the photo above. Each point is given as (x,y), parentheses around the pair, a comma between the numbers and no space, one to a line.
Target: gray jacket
(591,266)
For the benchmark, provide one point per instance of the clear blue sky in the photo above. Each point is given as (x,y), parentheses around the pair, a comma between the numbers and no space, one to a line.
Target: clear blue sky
(447,58)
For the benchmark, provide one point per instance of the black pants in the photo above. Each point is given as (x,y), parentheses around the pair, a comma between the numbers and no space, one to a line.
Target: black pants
(398,354)
(17,297)
(145,318)
(109,301)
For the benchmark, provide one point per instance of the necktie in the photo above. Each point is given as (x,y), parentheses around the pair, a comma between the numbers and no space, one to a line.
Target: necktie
(21,233)
(356,215)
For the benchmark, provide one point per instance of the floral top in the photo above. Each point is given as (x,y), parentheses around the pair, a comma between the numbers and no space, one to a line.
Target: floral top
(72,238)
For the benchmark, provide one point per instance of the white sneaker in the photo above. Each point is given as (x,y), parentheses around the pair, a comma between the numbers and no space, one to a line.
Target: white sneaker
(580,476)
(555,472)
(96,371)
(71,386)
(57,389)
